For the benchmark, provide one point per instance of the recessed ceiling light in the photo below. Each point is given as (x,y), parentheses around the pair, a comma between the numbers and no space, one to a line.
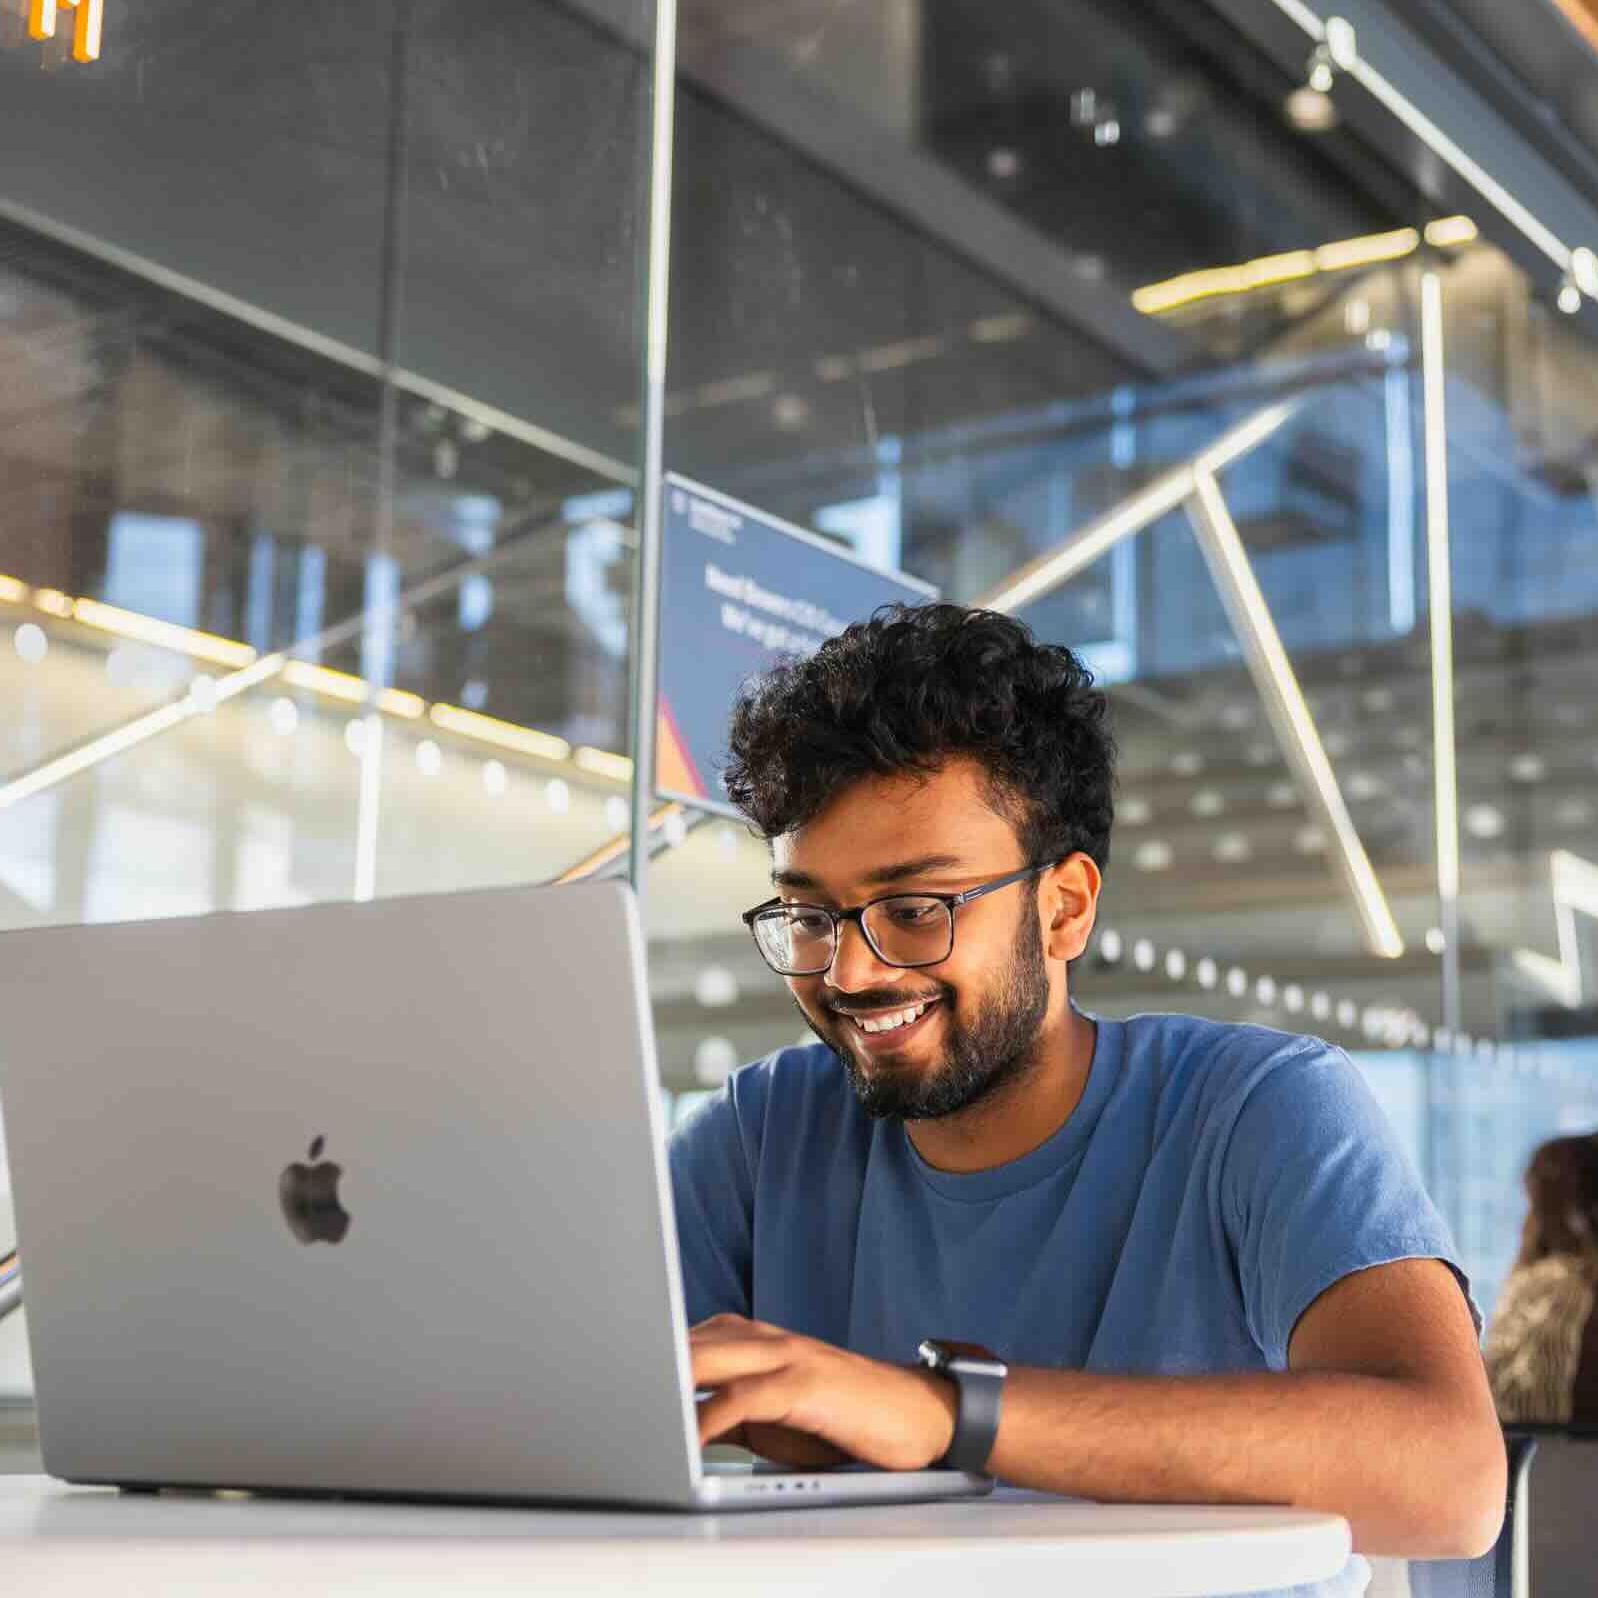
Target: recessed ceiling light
(790,411)
(30,643)
(1206,972)
(1154,854)
(1187,762)
(716,987)
(715,1059)
(1528,768)
(1309,840)
(429,758)
(284,716)
(495,778)
(1237,982)
(1232,847)
(1109,945)
(1281,795)
(1207,802)
(1134,810)
(1484,821)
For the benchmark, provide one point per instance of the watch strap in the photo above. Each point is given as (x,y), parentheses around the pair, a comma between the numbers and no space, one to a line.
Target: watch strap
(980,1396)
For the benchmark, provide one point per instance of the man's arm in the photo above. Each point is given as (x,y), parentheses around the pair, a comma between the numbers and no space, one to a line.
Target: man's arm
(1383,1417)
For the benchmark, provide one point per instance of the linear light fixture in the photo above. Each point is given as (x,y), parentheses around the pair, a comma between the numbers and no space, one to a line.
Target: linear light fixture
(351,689)
(502,734)
(1341,255)
(164,634)
(1285,705)
(1574,884)
(251,672)
(603,763)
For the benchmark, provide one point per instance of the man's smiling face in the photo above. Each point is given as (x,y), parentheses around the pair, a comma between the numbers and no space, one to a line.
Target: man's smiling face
(974,1018)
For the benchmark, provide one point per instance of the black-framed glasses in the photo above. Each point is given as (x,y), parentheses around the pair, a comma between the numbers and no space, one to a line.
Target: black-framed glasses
(903,929)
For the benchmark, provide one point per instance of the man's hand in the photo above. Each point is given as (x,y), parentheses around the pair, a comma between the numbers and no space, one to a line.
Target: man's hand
(803,1402)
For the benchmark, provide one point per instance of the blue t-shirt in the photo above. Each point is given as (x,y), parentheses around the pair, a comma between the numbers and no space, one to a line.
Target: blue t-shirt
(1212,1182)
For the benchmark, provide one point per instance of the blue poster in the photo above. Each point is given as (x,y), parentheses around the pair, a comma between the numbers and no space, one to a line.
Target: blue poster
(738,590)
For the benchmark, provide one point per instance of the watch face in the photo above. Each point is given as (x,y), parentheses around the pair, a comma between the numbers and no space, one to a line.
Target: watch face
(941,1352)
(971,1351)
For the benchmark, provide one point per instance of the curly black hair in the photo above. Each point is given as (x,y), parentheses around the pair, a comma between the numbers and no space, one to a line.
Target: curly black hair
(908,689)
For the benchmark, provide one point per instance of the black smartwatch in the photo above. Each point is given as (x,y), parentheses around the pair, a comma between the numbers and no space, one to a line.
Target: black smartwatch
(978,1373)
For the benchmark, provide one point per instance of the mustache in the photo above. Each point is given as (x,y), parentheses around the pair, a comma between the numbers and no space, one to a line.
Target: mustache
(882,999)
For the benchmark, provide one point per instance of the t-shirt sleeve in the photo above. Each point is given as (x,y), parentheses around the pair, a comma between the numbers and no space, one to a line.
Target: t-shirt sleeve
(712,1184)
(1315,1186)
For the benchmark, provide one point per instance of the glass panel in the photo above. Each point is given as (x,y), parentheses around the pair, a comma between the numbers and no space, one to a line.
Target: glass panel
(347,372)
(952,354)
(954,283)
(1521,379)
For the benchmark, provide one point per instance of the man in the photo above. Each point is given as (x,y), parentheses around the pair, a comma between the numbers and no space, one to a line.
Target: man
(1212,1273)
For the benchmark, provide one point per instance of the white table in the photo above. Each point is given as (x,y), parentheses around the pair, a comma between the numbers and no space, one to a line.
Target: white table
(59,1542)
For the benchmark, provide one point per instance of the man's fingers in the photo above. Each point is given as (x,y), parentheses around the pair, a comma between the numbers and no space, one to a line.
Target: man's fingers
(718,1362)
(766,1398)
(789,1446)
(726,1325)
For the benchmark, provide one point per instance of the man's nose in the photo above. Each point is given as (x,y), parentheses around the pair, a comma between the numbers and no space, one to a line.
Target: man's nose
(856,964)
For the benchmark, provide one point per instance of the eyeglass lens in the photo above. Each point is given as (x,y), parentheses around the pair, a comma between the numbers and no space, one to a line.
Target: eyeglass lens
(908,929)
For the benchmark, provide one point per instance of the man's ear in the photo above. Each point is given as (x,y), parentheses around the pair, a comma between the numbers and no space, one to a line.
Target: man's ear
(1069,901)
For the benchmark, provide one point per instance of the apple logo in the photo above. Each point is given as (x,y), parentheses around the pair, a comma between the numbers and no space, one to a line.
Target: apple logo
(309,1196)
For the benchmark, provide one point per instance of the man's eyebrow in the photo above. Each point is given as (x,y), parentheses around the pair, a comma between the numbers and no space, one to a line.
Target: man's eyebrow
(899,871)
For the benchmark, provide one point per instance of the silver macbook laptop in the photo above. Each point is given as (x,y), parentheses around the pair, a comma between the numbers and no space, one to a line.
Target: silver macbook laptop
(362,1198)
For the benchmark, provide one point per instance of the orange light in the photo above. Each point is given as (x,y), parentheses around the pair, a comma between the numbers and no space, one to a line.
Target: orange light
(88,15)
(86,31)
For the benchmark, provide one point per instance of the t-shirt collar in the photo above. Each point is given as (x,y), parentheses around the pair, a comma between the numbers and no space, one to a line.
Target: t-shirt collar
(1050,1156)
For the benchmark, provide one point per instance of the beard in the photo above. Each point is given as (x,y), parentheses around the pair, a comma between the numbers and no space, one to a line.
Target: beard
(990,1051)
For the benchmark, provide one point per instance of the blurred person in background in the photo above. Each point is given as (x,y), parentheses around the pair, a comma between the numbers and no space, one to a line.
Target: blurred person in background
(1542,1346)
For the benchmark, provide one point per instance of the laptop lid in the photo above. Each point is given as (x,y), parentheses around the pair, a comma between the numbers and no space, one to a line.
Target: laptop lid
(500,1314)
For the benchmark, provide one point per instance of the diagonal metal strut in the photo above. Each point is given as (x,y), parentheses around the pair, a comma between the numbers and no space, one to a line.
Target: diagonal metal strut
(1192,485)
